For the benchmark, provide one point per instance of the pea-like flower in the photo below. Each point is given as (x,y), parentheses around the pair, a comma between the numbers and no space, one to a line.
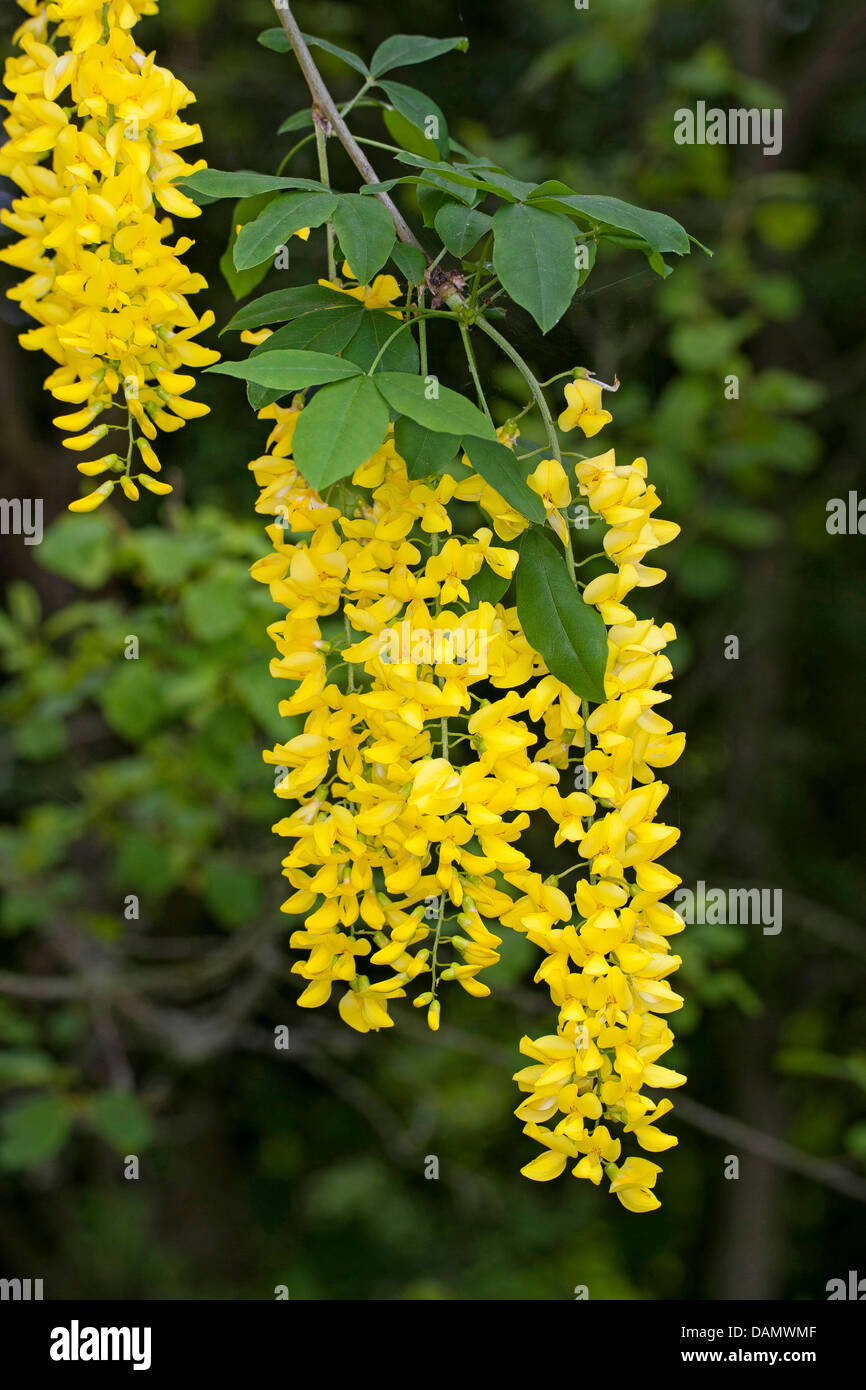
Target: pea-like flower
(93,139)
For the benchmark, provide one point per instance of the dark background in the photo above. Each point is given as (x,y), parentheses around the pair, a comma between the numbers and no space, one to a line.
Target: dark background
(155,1036)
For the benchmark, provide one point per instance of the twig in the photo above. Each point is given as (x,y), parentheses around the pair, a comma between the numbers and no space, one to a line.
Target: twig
(774,1150)
(323,99)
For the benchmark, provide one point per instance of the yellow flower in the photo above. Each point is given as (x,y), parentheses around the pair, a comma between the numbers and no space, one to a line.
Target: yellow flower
(550,482)
(380,295)
(584,407)
(93,139)
(632,1185)
(417,760)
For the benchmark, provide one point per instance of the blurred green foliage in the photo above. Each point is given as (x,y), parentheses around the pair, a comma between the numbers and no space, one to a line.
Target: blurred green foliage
(144,777)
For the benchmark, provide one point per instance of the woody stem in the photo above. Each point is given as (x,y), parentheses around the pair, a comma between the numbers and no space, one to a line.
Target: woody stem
(323,99)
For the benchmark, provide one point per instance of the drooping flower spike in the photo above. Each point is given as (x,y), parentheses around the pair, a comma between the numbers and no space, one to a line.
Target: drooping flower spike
(409,792)
(93,139)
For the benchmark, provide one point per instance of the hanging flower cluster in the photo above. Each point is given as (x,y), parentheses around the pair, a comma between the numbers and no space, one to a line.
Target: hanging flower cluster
(94,135)
(429,732)
(607,974)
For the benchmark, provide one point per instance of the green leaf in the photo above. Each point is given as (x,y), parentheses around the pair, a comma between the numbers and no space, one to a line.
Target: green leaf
(335,51)
(533,255)
(133,699)
(338,431)
(20,1067)
(446,412)
(417,110)
(591,248)
(659,231)
(428,179)
(22,600)
(243,282)
(404,133)
(303,119)
(290,370)
(299,120)
(244,183)
(658,264)
(167,559)
(322,330)
(486,587)
(34,1130)
(366,234)
(122,1121)
(259,239)
(460,227)
(431,199)
(565,631)
(280,305)
(213,608)
(500,183)
(240,282)
(260,396)
(502,469)
(233,893)
(80,548)
(373,333)
(425,452)
(255,687)
(410,261)
(277,41)
(402,50)
(483,178)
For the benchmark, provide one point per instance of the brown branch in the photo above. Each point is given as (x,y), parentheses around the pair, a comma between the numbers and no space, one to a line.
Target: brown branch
(774,1150)
(325,102)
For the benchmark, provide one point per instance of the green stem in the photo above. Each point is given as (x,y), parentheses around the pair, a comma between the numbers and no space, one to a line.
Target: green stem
(473,295)
(378,144)
(407,323)
(473,367)
(558,377)
(434,954)
(130,427)
(422,333)
(294,150)
(350,674)
(581,864)
(530,380)
(538,395)
(362,91)
(322,152)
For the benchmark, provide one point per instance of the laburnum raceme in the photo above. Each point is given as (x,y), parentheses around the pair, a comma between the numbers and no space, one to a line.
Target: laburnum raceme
(93,139)
(427,732)
(608,972)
